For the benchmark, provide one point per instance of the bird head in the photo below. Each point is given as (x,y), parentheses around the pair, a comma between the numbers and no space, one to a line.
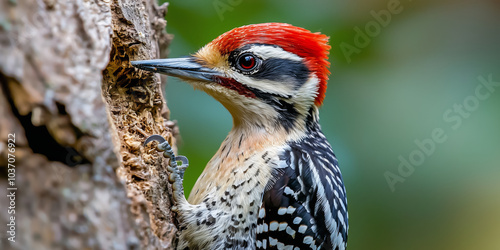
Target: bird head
(270,74)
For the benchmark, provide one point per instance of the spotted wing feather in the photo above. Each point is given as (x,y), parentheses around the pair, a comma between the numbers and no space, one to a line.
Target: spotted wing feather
(305,205)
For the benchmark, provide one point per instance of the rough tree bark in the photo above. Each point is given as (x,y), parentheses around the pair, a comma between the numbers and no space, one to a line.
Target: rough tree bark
(78,176)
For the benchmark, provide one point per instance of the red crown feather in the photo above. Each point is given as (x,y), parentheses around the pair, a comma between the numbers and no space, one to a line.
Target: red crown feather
(313,47)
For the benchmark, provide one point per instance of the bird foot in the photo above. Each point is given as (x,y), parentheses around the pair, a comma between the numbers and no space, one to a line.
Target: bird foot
(176,171)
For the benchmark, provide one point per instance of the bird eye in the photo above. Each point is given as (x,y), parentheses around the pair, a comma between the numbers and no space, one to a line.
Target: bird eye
(247,62)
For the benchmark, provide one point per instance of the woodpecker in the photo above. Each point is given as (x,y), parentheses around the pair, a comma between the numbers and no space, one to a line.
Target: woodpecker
(274,183)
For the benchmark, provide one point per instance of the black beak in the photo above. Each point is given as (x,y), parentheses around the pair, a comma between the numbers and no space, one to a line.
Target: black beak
(186,68)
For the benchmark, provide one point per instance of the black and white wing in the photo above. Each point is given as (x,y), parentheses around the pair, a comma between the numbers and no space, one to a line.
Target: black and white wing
(305,206)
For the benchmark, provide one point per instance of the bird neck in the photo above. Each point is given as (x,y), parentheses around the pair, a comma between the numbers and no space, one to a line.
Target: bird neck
(272,124)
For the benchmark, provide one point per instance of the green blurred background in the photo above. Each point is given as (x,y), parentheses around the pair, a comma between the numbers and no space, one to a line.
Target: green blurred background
(415,73)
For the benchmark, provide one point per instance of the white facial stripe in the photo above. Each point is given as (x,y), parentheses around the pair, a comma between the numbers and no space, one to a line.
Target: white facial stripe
(265,85)
(307,93)
(266,52)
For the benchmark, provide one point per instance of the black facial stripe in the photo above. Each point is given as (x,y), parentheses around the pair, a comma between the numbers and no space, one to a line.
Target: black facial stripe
(284,71)
(287,111)
(274,69)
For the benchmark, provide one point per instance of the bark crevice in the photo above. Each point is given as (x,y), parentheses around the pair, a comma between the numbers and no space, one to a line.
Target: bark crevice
(80,113)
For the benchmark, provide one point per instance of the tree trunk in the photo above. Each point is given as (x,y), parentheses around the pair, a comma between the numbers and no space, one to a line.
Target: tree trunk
(74,114)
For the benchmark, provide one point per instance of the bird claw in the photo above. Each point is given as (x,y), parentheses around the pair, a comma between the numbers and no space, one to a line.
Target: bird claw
(176,171)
